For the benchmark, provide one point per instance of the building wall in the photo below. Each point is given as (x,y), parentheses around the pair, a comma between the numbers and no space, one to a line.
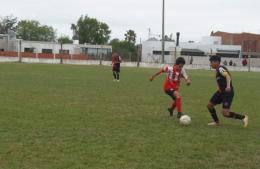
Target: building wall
(248,41)
(3,42)
(207,45)
(10,43)
(148,55)
(73,48)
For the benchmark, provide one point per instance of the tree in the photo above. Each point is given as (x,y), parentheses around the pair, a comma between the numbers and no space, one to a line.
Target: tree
(33,30)
(127,50)
(90,30)
(64,40)
(130,36)
(7,23)
(74,28)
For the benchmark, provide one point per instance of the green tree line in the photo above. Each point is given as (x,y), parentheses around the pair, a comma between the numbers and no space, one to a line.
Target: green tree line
(86,30)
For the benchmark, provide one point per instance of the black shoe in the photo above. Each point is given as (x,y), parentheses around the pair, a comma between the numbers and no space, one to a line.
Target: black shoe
(170,111)
(179,115)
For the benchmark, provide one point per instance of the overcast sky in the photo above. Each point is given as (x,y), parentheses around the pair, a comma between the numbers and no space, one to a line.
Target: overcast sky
(192,18)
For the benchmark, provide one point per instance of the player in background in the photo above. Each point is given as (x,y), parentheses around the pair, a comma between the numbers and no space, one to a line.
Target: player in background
(172,83)
(224,94)
(116,60)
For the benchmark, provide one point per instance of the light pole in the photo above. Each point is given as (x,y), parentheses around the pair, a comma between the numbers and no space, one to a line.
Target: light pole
(163,42)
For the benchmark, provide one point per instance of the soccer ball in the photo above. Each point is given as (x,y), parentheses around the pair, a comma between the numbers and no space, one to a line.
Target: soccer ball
(185,120)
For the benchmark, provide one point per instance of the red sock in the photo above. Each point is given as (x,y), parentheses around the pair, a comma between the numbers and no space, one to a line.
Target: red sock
(178,104)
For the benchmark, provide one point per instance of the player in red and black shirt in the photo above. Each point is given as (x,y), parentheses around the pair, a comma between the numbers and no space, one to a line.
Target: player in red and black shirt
(172,83)
(224,94)
(116,60)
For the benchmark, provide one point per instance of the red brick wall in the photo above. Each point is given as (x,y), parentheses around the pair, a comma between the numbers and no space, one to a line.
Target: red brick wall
(248,41)
(8,53)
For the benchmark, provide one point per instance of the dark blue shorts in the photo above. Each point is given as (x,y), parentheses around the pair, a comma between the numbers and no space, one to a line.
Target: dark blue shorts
(171,93)
(225,98)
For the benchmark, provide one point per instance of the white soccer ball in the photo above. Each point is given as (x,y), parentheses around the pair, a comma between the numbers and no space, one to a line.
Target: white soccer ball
(185,120)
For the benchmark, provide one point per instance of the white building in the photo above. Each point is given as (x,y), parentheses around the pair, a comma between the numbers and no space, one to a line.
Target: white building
(8,42)
(152,49)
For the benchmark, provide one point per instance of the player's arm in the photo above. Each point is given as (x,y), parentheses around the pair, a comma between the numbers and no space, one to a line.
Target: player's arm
(156,74)
(186,77)
(228,78)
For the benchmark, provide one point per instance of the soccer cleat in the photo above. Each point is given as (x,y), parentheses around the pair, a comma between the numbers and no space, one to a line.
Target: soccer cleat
(245,121)
(213,123)
(118,80)
(179,115)
(170,111)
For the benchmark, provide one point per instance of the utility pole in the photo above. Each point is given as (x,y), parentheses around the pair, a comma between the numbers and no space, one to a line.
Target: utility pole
(139,52)
(176,45)
(163,42)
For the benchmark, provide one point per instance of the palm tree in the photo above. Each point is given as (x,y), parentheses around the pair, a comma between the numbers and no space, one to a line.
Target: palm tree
(74,28)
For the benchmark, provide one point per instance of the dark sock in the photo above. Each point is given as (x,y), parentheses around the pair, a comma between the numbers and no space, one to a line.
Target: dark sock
(213,114)
(170,111)
(117,76)
(236,116)
(179,115)
(114,74)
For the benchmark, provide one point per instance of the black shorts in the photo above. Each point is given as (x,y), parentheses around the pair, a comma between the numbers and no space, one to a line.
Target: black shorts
(171,93)
(116,69)
(225,98)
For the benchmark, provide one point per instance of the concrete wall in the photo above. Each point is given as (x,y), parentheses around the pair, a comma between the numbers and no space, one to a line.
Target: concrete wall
(73,48)
(204,65)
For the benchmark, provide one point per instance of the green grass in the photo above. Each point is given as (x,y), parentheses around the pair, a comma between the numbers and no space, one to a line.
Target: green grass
(72,117)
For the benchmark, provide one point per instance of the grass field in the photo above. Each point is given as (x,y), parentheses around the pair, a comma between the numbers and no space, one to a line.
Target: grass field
(72,117)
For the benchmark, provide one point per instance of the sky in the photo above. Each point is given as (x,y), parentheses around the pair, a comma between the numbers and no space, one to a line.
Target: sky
(192,18)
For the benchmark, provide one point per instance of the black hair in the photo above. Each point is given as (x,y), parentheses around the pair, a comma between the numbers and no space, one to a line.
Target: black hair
(215,58)
(180,60)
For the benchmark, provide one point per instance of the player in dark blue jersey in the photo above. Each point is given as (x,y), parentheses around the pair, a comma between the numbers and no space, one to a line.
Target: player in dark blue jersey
(224,94)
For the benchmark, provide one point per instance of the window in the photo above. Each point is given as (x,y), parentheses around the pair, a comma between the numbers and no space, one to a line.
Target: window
(92,51)
(64,51)
(215,42)
(102,51)
(46,50)
(160,52)
(29,50)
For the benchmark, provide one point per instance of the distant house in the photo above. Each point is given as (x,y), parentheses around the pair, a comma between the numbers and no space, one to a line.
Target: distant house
(8,42)
(250,42)
(152,49)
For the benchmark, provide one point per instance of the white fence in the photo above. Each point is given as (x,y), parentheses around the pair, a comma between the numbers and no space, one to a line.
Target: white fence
(198,63)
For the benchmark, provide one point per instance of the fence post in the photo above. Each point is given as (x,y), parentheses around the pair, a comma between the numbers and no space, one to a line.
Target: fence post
(100,59)
(249,63)
(19,51)
(138,54)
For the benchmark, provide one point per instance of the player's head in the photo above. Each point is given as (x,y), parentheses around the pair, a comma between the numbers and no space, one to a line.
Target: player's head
(214,61)
(180,62)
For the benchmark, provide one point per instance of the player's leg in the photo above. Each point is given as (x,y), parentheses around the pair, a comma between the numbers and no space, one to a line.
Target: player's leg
(173,105)
(215,99)
(117,73)
(212,110)
(117,76)
(227,101)
(114,73)
(178,104)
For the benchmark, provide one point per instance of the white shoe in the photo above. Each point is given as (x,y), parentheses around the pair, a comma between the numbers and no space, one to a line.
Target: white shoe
(213,124)
(114,80)
(245,121)
(118,80)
